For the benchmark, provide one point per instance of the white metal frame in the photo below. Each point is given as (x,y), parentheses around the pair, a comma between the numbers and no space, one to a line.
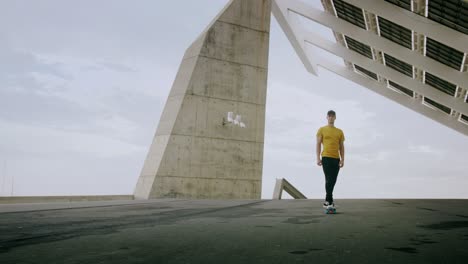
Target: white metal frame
(286,10)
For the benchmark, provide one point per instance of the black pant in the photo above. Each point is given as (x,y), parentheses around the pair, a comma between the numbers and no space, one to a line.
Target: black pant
(331,167)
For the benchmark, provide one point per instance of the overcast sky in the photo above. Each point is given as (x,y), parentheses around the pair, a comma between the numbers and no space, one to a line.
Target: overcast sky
(83,85)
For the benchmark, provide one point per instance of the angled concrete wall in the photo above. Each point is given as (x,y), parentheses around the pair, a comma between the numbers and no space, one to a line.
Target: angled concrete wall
(194,153)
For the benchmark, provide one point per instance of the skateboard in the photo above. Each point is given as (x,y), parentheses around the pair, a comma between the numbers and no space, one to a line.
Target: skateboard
(330,210)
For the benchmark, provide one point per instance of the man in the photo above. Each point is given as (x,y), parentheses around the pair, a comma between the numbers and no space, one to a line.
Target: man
(333,154)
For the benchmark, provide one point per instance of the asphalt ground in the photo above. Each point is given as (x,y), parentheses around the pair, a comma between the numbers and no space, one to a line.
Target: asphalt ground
(252,231)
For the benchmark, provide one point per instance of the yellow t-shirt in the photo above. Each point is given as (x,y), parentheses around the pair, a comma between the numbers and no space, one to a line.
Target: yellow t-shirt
(331,139)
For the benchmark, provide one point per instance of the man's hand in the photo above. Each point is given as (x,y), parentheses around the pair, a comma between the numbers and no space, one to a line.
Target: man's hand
(319,162)
(341,163)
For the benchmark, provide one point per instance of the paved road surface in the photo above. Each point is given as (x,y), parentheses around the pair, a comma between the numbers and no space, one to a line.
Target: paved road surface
(252,231)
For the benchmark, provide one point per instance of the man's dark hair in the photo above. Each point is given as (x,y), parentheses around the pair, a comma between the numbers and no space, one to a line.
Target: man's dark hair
(331,113)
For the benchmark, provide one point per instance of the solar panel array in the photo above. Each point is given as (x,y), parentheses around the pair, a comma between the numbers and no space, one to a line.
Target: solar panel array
(395,33)
(464,118)
(450,13)
(440,84)
(406,4)
(399,65)
(444,54)
(366,72)
(401,88)
(441,107)
(359,47)
(350,13)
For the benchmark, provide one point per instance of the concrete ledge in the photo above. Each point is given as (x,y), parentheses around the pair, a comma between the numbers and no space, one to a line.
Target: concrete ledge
(35,207)
(61,199)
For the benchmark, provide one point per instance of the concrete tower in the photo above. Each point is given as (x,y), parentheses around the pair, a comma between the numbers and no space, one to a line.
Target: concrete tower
(198,151)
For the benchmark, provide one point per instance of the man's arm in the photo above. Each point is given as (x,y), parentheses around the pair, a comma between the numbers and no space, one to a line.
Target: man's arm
(342,154)
(319,150)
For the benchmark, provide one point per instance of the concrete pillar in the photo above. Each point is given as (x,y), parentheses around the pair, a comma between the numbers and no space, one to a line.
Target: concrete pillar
(196,153)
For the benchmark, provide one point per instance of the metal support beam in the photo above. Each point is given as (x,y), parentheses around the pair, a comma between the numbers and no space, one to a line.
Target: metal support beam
(386,72)
(288,10)
(283,184)
(282,16)
(412,57)
(412,21)
(406,101)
